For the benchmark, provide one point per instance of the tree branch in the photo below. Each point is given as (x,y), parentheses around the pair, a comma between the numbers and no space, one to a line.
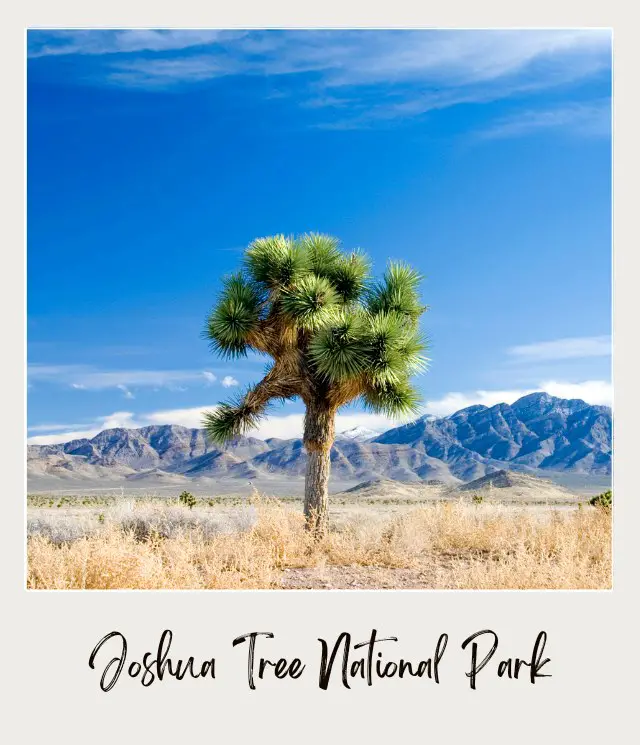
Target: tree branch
(236,418)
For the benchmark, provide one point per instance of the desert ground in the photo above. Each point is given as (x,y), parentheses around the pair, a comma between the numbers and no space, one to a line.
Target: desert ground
(524,533)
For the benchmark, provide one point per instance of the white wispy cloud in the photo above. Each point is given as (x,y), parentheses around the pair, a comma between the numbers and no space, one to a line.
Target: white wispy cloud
(591,391)
(126,41)
(84,377)
(562,349)
(588,120)
(420,70)
(290,425)
(229,381)
(55,427)
(457,400)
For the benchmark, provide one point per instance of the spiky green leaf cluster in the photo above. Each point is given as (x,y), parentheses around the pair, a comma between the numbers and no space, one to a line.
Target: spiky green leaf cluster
(350,276)
(230,419)
(310,302)
(236,315)
(339,350)
(393,399)
(386,334)
(398,292)
(276,262)
(322,251)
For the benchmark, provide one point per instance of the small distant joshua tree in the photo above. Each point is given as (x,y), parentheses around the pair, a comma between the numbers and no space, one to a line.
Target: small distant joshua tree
(187,499)
(334,336)
(603,500)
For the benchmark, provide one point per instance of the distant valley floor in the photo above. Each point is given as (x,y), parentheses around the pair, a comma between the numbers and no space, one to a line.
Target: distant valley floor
(581,484)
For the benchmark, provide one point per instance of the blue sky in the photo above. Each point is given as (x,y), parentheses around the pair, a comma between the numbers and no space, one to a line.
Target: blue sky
(154,157)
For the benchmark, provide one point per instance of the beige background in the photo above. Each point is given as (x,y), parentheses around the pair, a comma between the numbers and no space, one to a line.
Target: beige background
(51,695)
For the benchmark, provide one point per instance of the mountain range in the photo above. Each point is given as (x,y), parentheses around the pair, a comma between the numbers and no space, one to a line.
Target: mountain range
(537,433)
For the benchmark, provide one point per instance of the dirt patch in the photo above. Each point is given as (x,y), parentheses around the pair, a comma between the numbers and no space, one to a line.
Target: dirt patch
(355,578)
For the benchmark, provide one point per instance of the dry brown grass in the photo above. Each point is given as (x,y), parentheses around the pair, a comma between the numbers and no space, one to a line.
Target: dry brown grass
(443,545)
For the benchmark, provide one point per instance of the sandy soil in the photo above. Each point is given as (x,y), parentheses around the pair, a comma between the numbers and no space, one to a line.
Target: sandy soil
(358,578)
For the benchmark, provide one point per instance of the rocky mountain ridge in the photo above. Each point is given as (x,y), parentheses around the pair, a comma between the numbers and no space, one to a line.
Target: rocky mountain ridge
(536,433)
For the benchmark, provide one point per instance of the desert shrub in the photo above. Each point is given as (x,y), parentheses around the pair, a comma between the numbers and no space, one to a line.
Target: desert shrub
(167,523)
(187,499)
(603,500)
(58,530)
(477,499)
(159,521)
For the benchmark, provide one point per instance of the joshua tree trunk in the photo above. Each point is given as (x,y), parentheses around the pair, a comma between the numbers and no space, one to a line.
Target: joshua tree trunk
(319,433)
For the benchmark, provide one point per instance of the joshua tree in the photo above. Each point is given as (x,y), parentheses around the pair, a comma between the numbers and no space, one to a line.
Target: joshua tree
(334,336)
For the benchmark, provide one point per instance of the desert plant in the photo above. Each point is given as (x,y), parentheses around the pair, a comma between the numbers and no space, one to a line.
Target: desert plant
(333,334)
(62,530)
(477,499)
(603,500)
(187,499)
